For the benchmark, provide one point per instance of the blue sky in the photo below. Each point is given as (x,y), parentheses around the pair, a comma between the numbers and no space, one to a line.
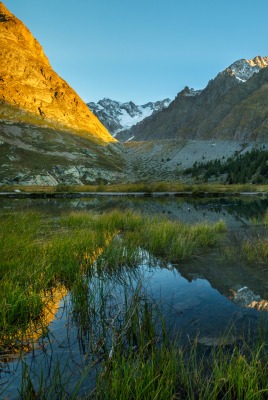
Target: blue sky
(143,50)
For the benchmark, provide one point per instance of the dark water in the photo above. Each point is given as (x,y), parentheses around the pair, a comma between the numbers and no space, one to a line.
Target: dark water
(204,298)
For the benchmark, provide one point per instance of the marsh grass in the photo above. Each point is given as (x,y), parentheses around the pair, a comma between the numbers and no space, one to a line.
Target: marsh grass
(122,332)
(256,251)
(131,355)
(146,187)
(40,253)
(251,250)
(175,241)
(177,372)
(266,220)
(165,371)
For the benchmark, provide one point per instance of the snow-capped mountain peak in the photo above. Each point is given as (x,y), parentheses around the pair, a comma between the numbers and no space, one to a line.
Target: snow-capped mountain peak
(118,116)
(244,69)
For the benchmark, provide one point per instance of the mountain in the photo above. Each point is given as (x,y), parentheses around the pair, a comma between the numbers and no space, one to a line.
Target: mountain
(233,106)
(48,136)
(118,116)
(32,91)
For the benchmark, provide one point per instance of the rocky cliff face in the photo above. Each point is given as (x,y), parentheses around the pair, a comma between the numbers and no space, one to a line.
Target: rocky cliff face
(233,106)
(118,116)
(28,83)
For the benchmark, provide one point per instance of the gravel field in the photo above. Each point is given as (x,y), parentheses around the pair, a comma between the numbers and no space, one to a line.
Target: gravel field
(167,159)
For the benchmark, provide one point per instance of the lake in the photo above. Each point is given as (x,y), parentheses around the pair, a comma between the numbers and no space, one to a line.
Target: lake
(214,293)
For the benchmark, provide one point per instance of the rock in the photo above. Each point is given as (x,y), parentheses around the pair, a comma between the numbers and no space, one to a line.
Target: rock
(244,297)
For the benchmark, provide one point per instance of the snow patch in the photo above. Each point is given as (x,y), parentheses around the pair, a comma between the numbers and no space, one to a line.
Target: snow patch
(118,116)
(245,69)
(129,139)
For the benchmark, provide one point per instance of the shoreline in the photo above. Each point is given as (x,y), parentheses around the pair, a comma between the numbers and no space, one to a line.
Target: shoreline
(74,195)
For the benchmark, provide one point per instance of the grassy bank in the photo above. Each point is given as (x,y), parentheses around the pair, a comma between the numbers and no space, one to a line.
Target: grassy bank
(143,187)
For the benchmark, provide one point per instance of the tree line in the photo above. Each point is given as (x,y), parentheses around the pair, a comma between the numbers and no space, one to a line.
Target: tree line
(239,168)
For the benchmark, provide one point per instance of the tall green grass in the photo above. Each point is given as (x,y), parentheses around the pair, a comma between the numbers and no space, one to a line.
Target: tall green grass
(38,253)
(256,251)
(177,373)
(166,371)
(130,352)
(176,241)
(252,250)
(266,220)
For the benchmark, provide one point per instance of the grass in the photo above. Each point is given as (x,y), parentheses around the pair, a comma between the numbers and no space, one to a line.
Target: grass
(11,113)
(266,220)
(253,250)
(177,373)
(162,369)
(143,187)
(39,254)
(129,350)
(256,251)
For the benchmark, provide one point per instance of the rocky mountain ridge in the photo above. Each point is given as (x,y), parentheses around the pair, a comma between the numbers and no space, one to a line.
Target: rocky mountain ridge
(231,107)
(117,116)
(245,69)
(29,84)
(48,136)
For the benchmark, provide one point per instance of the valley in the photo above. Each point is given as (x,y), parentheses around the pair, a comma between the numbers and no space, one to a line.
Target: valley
(133,238)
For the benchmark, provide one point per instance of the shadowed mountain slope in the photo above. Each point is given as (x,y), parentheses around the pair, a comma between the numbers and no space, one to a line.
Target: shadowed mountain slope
(233,106)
